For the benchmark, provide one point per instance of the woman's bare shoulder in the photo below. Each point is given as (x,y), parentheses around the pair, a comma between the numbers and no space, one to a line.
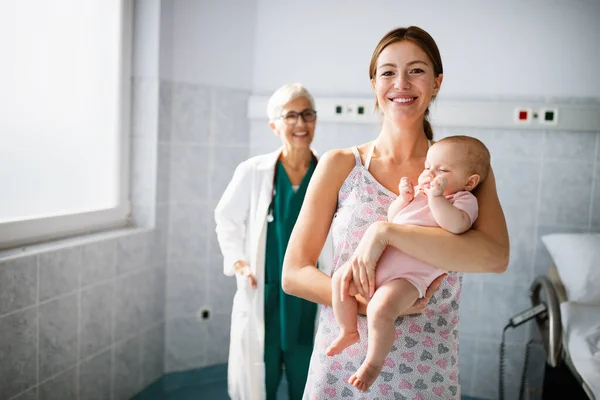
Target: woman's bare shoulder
(344,159)
(338,159)
(334,167)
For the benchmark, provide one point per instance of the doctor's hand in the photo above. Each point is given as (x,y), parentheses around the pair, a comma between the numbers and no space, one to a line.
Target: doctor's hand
(242,268)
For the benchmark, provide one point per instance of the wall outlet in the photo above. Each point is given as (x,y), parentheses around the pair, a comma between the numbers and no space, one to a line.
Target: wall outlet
(522,115)
(203,314)
(548,116)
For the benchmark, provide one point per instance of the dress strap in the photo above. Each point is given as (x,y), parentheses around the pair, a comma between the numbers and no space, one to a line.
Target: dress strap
(356,156)
(369,155)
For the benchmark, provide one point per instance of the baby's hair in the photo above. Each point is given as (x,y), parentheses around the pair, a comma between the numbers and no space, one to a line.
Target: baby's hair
(475,152)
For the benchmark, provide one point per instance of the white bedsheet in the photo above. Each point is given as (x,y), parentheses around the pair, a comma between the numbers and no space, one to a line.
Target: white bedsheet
(582,338)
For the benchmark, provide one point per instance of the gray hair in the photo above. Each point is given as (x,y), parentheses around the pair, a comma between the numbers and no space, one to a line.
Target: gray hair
(285,94)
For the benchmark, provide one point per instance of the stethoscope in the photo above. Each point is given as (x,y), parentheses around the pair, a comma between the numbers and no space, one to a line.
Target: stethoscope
(270,216)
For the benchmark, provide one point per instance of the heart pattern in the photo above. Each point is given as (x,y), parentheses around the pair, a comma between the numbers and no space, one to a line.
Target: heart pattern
(420,384)
(425,355)
(405,369)
(331,379)
(423,358)
(352,351)
(442,363)
(404,384)
(423,369)
(387,376)
(384,389)
(361,222)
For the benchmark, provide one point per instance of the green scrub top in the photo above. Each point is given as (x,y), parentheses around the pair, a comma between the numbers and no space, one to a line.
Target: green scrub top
(289,320)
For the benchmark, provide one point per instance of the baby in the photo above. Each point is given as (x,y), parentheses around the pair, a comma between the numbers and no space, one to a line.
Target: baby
(453,168)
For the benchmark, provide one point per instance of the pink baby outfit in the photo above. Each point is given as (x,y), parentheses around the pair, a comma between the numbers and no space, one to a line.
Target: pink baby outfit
(395,264)
(423,362)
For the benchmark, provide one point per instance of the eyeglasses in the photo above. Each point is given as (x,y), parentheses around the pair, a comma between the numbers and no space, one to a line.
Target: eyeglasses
(291,118)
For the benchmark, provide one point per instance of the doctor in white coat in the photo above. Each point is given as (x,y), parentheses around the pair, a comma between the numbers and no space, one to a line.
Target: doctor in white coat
(271,332)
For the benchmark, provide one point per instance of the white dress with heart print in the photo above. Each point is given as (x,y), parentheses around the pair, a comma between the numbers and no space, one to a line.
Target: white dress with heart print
(423,362)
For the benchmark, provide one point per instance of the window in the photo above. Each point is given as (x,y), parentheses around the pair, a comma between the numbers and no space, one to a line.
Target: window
(64,117)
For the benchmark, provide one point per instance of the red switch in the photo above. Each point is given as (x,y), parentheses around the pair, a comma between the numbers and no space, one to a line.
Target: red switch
(522,115)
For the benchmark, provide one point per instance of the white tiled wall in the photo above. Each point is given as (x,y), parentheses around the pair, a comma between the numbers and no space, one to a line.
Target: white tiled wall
(203,137)
(87,321)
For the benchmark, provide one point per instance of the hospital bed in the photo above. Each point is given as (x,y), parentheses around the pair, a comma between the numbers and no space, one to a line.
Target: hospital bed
(570,329)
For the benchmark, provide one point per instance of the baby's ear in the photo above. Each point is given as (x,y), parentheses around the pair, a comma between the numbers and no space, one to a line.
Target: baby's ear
(472,182)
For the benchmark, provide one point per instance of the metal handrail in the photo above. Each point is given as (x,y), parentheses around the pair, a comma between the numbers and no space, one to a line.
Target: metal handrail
(549,324)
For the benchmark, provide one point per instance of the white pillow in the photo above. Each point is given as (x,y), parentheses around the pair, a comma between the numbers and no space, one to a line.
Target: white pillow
(577,259)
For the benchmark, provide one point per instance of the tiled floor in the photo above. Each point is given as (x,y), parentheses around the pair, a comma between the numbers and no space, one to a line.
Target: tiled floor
(208,383)
(202,384)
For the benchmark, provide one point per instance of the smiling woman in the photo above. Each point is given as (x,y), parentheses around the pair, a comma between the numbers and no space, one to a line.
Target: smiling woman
(350,195)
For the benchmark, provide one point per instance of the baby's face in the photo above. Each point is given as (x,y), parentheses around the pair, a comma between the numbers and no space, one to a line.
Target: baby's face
(444,160)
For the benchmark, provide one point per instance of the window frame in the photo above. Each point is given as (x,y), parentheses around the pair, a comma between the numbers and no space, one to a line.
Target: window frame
(32,231)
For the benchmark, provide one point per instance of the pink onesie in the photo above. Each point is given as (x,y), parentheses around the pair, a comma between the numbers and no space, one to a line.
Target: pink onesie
(395,264)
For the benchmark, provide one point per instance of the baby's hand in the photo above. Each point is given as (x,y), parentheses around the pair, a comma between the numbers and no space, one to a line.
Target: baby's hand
(437,186)
(406,189)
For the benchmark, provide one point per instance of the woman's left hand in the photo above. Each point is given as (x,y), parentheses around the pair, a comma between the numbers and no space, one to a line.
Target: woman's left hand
(364,260)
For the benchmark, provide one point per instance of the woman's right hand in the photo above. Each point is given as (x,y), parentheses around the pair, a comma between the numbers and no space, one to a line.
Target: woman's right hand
(243,268)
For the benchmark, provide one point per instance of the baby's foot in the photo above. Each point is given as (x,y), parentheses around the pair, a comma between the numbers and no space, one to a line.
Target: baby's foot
(341,342)
(365,376)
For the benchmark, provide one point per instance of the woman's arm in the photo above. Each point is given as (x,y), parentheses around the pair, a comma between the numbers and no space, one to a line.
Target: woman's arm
(300,277)
(484,248)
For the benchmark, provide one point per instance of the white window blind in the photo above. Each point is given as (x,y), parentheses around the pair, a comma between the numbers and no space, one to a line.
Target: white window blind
(64,95)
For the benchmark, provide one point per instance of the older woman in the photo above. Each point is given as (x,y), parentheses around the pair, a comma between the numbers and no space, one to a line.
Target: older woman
(255,217)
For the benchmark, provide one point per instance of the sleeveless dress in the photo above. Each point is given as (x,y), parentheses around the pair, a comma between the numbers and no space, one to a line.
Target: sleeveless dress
(423,362)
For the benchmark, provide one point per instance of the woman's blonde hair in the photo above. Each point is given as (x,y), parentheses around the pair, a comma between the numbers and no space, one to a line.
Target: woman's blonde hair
(285,94)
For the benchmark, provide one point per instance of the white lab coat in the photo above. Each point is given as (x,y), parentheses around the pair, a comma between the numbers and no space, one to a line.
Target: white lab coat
(241,218)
